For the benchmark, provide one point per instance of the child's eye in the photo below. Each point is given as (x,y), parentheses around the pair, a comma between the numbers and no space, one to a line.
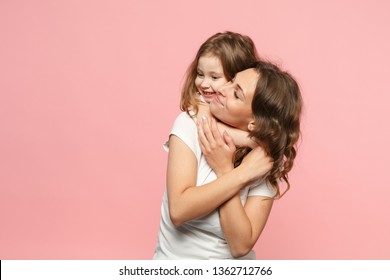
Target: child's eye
(199,74)
(215,78)
(235,94)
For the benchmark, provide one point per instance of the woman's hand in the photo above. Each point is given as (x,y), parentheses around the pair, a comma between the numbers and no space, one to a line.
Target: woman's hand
(256,164)
(203,110)
(218,149)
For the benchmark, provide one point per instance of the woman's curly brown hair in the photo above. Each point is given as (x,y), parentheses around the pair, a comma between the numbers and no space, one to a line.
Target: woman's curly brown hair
(276,107)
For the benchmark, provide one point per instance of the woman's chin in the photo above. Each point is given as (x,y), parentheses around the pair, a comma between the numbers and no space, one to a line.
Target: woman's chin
(213,108)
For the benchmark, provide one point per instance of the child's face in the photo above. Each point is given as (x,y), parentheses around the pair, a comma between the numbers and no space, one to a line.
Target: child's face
(210,76)
(233,102)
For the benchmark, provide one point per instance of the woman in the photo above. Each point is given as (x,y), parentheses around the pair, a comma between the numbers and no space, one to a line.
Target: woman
(264,101)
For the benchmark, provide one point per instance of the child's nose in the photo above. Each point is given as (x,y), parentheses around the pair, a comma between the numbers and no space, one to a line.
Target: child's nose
(205,83)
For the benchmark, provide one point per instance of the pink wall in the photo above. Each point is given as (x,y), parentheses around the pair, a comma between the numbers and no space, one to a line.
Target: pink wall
(89,90)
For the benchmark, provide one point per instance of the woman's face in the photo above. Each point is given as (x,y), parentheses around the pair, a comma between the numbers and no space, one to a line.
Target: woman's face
(210,76)
(233,102)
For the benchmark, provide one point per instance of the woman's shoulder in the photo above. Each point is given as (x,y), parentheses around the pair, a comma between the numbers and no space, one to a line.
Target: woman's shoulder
(261,188)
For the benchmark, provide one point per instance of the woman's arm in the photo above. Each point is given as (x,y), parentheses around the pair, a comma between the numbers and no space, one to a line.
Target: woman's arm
(241,225)
(186,200)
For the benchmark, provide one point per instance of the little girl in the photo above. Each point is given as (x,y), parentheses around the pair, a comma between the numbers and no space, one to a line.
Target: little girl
(196,233)
(217,61)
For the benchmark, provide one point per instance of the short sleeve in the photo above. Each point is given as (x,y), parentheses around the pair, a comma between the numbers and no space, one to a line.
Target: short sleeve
(262,189)
(185,128)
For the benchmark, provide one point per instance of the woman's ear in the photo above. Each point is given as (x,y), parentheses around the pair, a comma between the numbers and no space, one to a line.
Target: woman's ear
(251,125)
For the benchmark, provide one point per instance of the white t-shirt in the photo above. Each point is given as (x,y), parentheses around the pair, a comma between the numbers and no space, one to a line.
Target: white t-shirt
(199,238)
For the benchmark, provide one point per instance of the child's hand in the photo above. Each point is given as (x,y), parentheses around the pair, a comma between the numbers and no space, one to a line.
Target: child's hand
(218,149)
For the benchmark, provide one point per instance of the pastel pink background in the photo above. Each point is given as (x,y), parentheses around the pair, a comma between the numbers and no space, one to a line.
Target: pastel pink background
(89,90)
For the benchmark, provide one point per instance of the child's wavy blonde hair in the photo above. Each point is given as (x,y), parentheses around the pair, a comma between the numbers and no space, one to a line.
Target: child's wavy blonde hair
(236,52)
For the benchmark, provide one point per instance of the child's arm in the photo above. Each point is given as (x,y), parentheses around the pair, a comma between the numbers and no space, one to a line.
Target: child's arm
(240,137)
(203,111)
